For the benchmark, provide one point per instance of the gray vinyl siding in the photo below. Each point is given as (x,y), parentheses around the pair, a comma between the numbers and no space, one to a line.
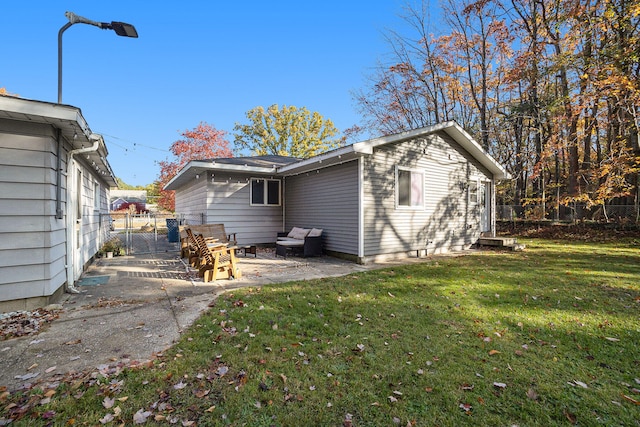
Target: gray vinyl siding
(191,200)
(445,222)
(229,203)
(33,251)
(224,198)
(326,199)
(32,240)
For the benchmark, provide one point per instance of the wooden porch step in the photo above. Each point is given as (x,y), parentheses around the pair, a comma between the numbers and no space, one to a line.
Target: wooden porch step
(501,242)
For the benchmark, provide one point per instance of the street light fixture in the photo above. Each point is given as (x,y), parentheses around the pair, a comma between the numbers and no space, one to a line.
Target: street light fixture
(121,28)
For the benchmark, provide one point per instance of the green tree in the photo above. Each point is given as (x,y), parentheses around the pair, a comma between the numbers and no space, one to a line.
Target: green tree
(286,131)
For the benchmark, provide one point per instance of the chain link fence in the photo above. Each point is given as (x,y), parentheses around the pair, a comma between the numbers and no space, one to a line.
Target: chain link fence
(141,233)
(577,212)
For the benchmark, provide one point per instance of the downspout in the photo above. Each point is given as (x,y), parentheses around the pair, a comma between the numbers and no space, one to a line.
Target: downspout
(70,225)
(59,212)
(284,204)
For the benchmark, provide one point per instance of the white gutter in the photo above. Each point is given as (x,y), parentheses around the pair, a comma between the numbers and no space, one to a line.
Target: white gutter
(71,211)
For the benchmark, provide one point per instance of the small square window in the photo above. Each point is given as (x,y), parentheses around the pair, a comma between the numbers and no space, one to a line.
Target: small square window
(265,192)
(410,188)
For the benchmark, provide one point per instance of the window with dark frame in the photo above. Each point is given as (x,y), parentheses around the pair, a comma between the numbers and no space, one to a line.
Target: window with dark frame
(265,192)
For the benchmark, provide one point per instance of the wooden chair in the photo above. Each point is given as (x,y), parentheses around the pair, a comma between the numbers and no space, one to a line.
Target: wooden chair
(217,262)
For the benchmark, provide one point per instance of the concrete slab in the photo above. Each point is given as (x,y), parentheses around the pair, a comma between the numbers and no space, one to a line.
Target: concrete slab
(130,307)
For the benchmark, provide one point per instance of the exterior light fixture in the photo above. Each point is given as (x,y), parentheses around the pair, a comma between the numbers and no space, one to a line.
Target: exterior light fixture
(121,28)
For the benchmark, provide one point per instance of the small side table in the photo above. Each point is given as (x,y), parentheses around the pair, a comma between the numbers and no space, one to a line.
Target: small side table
(249,249)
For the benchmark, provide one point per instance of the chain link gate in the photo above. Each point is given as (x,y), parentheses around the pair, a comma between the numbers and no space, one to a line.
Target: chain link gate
(140,233)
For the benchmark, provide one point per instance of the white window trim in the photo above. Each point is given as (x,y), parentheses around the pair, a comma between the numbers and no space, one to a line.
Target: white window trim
(266,194)
(477,181)
(397,189)
(96,195)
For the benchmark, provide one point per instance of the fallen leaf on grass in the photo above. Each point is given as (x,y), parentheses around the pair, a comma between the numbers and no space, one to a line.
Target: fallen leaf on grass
(108,402)
(465,407)
(630,399)
(106,419)
(141,416)
(531,394)
(493,352)
(500,385)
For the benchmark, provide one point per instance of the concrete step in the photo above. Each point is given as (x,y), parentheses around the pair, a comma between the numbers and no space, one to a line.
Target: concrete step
(502,242)
(497,241)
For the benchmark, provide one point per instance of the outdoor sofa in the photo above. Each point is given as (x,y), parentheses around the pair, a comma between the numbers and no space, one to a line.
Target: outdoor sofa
(306,241)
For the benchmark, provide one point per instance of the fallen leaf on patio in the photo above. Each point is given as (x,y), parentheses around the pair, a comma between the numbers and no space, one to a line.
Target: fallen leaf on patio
(74,342)
(51,369)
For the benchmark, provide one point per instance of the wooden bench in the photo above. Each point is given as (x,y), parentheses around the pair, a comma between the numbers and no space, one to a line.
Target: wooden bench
(208,231)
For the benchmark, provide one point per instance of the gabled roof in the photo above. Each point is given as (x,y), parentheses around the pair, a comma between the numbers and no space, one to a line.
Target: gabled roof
(287,166)
(68,119)
(256,165)
(350,152)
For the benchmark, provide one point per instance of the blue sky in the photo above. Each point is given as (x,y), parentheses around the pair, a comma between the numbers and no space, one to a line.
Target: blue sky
(194,61)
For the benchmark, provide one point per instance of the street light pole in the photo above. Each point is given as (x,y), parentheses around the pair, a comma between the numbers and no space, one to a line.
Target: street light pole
(121,29)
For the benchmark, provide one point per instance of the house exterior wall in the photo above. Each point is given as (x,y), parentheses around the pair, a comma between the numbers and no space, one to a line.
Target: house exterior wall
(327,199)
(33,251)
(225,199)
(447,221)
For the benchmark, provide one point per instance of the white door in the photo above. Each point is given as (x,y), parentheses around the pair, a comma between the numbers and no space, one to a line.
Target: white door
(78,262)
(484,203)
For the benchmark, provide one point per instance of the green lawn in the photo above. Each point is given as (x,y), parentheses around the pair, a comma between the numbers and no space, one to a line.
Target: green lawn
(548,336)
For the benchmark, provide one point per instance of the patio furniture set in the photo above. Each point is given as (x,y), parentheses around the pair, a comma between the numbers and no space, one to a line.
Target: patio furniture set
(211,250)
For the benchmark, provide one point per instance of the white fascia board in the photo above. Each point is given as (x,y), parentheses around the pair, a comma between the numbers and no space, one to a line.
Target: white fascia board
(468,143)
(311,161)
(454,130)
(213,166)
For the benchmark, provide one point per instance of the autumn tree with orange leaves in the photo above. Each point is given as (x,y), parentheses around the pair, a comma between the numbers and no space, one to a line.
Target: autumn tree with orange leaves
(551,88)
(203,142)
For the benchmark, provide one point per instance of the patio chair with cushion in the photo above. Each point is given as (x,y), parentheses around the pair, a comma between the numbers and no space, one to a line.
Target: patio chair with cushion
(307,242)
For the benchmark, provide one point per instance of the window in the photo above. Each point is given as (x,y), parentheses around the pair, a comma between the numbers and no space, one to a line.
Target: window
(96,195)
(473,191)
(410,188)
(265,192)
